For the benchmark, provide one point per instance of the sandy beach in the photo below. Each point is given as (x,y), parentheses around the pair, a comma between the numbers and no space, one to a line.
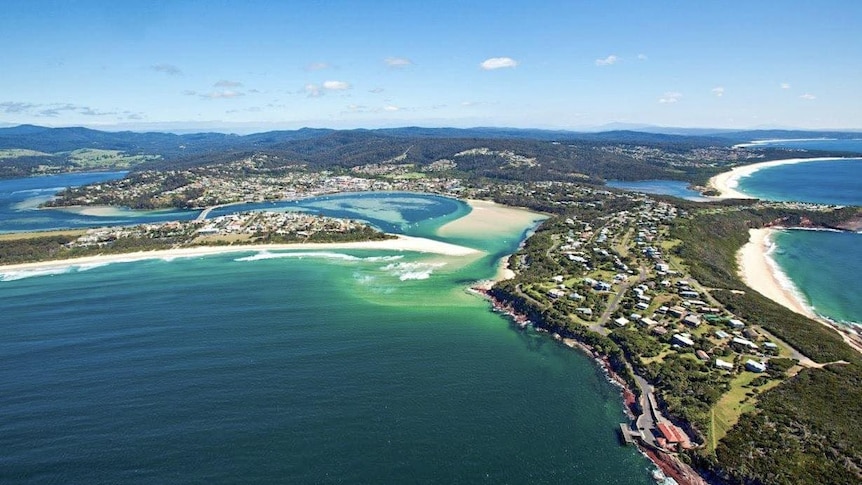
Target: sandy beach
(400,243)
(759,272)
(727,182)
(489,217)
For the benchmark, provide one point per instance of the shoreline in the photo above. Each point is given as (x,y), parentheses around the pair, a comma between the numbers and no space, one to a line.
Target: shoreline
(727,182)
(399,243)
(761,273)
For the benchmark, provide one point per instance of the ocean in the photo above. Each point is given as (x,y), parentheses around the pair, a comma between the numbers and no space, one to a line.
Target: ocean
(298,367)
(824,267)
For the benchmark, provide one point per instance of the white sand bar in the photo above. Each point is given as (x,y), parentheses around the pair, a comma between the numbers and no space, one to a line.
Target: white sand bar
(489,218)
(727,182)
(400,243)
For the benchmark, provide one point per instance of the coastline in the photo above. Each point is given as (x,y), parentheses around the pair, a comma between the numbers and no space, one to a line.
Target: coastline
(727,182)
(399,243)
(761,273)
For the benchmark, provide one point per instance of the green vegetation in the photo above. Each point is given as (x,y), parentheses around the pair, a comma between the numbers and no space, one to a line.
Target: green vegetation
(805,431)
(93,159)
(10,153)
(709,244)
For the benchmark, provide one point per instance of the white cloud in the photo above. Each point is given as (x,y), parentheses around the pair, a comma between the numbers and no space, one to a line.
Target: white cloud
(336,85)
(670,97)
(225,94)
(224,83)
(391,108)
(718,91)
(785,86)
(498,63)
(169,69)
(376,90)
(607,61)
(642,57)
(398,62)
(312,90)
(808,96)
(317,66)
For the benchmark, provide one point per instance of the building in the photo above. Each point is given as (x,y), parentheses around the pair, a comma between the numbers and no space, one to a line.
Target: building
(723,365)
(682,339)
(692,321)
(746,344)
(676,311)
(755,366)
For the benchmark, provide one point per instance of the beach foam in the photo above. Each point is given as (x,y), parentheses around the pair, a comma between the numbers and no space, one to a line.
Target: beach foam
(412,270)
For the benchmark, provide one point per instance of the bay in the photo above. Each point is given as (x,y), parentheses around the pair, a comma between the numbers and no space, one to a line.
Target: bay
(304,367)
(823,266)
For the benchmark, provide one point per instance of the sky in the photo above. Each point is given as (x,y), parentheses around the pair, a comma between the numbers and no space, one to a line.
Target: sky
(245,66)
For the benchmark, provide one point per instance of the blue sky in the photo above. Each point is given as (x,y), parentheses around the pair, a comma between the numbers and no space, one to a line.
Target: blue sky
(253,65)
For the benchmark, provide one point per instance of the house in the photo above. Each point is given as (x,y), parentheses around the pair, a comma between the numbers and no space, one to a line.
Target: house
(676,311)
(689,294)
(558,279)
(723,364)
(682,339)
(702,355)
(621,322)
(648,322)
(722,334)
(659,330)
(576,296)
(692,321)
(741,342)
(642,306)
(584,311)
(771,347)
(556,293)
(736,324)
(755,366)
(602,286)
(662,309)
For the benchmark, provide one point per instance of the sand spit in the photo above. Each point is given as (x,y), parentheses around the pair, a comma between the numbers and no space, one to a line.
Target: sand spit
(399,243)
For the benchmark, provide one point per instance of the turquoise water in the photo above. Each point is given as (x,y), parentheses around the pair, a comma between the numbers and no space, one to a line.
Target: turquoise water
(675,188)
(832,290)
(298,367)
(823,266)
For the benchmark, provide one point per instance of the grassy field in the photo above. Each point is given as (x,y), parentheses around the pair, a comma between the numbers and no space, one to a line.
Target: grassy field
(10,153)
(733,404)
(12,236)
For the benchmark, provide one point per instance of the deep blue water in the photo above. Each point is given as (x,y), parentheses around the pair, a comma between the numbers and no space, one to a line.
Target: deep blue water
(675,188)
(826,182)
(306,367)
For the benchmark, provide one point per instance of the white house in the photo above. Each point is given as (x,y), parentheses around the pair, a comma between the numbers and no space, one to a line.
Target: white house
(755,366)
